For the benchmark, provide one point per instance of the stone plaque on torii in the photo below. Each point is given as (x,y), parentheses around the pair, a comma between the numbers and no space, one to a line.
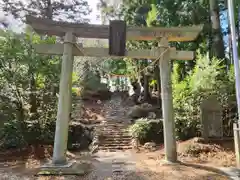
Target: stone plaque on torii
(69,49)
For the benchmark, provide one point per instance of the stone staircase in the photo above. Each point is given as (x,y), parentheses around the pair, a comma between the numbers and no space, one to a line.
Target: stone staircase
(113,136)
(110,133)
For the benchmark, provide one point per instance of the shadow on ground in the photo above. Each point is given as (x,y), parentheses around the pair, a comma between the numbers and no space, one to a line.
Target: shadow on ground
(118,167)
(176,172)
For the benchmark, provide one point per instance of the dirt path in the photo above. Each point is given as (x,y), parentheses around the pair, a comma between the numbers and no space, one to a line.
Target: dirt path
(129,165)
(122,165)
(115,165)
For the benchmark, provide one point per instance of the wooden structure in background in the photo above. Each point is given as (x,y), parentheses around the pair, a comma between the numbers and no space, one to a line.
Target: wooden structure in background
(70,49)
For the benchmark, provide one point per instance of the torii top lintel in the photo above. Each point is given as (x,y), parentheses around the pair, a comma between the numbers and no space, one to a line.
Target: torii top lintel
(49,27)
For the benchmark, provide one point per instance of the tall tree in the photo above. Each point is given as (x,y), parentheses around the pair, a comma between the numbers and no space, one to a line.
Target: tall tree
(109,10)
(217,48)
(72,11)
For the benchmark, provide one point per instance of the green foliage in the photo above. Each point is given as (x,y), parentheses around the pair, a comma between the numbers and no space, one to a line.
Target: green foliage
(205,73)
(28,87)
(146,130)
(116,66)
(140,129)
(91,80)
(152,16)
(90,83)
(11,135)
(207,78)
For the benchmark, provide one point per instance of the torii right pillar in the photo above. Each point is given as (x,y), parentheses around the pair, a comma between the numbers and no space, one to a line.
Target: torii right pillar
(170,146)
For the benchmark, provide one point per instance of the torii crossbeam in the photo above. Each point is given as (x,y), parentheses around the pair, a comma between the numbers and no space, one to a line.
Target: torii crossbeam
(70,49)
(47,26)
(57,49)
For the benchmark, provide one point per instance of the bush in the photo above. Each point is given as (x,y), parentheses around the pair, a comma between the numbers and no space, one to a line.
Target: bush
(140,129)
(91,84)
(12,136)
(79,137)
(29,83)
(145,130)
(207,78)
(155,134)
(15,135)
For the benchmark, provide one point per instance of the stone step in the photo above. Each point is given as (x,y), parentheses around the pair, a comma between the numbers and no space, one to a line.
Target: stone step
(115,148)
(112,126)
(117,122)
(115,145)
(115,142)
(117,135)
(106,135)
(121,136)
(108,140)
(111,130)
(116,138)
(114,134)
(113,122)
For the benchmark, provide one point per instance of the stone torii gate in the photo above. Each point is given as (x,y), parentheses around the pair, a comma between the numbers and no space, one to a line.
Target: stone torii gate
(70,49)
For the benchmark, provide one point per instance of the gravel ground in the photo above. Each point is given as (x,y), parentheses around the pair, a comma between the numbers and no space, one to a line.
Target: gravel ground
(116,166)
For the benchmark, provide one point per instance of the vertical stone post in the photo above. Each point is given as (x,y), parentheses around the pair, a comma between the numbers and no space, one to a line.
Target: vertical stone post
(167,104)
(236,131)
(70,84)
(62,123)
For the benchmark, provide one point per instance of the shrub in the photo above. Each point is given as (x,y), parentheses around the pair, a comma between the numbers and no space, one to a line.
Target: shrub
(140,129)
(12,136)
(207,78)
(28,84)
(145,130)
(155,134)
(28,87)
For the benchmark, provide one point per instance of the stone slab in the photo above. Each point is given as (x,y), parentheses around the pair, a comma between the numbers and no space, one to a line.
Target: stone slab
(168,163)
(51,165)
(233,173)
(71,168)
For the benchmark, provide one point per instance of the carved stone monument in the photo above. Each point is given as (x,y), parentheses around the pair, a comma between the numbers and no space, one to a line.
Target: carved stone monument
(211,118)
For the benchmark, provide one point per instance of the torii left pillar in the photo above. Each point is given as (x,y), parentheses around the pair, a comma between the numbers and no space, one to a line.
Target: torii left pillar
(64,102)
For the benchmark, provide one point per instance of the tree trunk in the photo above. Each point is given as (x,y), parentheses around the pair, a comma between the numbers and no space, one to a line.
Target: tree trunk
(157,76)
(182,70)
(218,45)
(33,98)
(230,46)
(49,10)
(238,24)
(146,95)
